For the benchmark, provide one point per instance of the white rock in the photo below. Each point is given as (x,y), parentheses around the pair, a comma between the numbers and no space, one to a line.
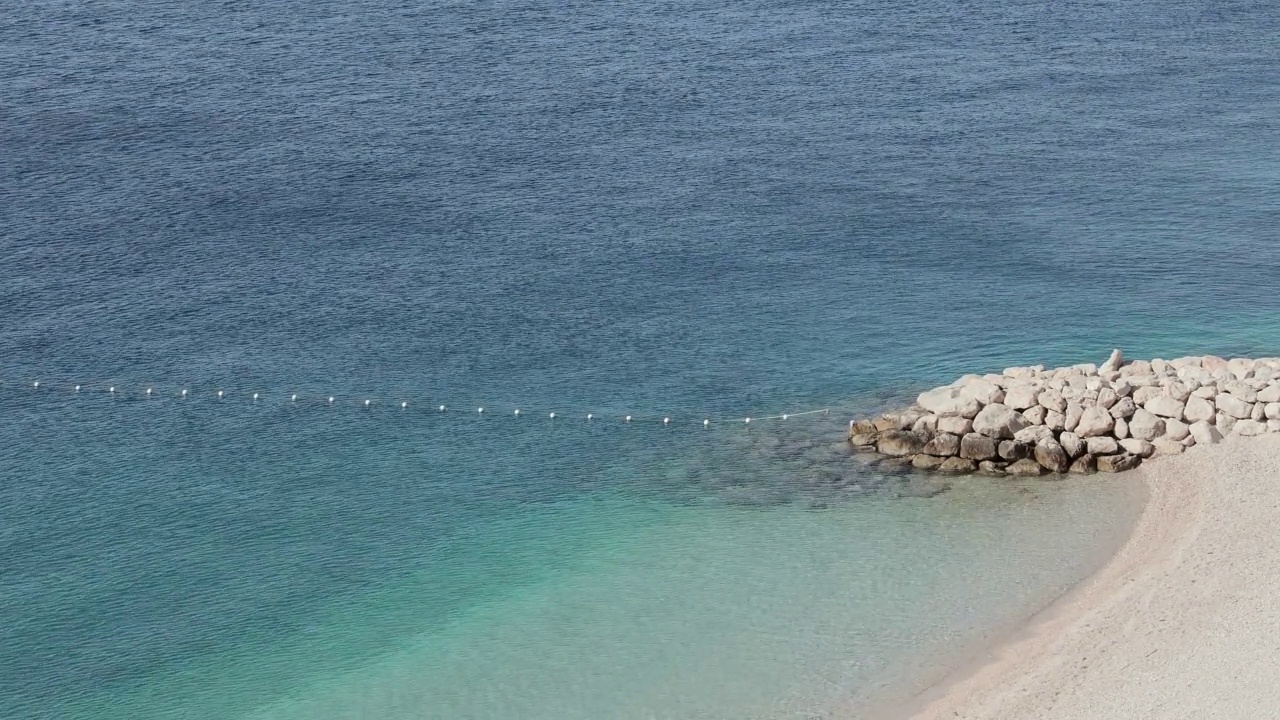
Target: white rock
(1207,392)
(1113,362)
(999,421)
(1259,412)
(1249,428)
(949,402)
(1271,411)
(1145,426)
(1224,423)
(1072,417)
(1141,448)
(1136,367)
(955,425)
(1242,368)
(1233,406)
(1107,397)
(1021,396)
(1269,394)
(1165,406)
(1033,434)
(1198,409)
(1165,446)
(1072,444)
(1177,391)
(1055,421)
(1143,394)
(1102,445)
(1051,400)
(1205,434)
(1094,421)
(1034,415)
(1175,430)
(1086,368)
(983,391)
(1273,426)
(1242,390)
(1121,430)
(926,422)
(1123,388)
(1094,384)
(1124,407)
(1160,367)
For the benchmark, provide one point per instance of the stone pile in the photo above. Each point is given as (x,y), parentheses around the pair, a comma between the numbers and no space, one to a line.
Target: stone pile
(1083,418)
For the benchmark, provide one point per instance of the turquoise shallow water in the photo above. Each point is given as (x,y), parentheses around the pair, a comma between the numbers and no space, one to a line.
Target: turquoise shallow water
(708,210)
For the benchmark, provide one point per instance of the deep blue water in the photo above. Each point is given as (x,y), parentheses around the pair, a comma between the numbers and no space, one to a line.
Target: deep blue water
(683,210)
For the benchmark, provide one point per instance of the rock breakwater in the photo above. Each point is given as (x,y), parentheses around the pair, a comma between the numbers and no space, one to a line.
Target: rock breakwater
(1082,419)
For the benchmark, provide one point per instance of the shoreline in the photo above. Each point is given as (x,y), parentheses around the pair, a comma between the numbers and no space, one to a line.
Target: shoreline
(1129,639)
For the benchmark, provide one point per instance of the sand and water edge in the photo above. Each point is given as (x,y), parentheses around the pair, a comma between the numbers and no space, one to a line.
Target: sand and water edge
(1179,623)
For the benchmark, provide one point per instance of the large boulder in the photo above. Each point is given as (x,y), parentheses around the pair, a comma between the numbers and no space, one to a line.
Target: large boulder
(1106,398)
(926,462)
(1141,448)
(1095,421)
(949,402)
(1072,443)
(1143,394)
(1051,456)
(1175,429)
(1035,415)
(957,465)
(977,447)
(984,391)
(1249,428)
(999,421)
(1051,399)
(1121,430)
(1033,434)
(1084,464)
(1269,394)
(1123,408)
(1026,467)
(1074,411)
(1012,450)
(1165,406)
(1102,445)
(955,425)
(1204,433)
(1055,421)
(899,443)
(1146,426)
(1233,406)
(1178,391)
(1271,411)
(943,445)
(1198,409)
(1113,362)
(1021,396)
(1118,463)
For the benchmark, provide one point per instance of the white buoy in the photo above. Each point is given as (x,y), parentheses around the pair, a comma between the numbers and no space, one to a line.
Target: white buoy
(293,398)
(589,416)
(330,399)
(706,423)
(36,384)
(480,410)
(148,392)
(77,388)
(404,405)
(628,418)
(553,416)
(366,403)
(219,394)
(517,412)
(784,417)
(255,396)
(184,393)
(666,421)
(747,421)
(441,408)
(112,389)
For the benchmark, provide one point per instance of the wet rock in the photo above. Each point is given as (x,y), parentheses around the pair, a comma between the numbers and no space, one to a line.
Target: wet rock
(1118,463)
(863,439)
(991,467)
(923,487)
(977,447)
(1084,464)
(926,462)
(899,443)
(944,445)
(957,465)
(1013,450)
(863,427)
(1051,456)
(1024,468)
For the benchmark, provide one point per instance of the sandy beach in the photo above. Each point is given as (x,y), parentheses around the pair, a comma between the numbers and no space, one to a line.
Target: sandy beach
(1184,622)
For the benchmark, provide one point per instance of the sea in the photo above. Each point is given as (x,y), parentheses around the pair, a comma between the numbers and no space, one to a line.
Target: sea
(275,279)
